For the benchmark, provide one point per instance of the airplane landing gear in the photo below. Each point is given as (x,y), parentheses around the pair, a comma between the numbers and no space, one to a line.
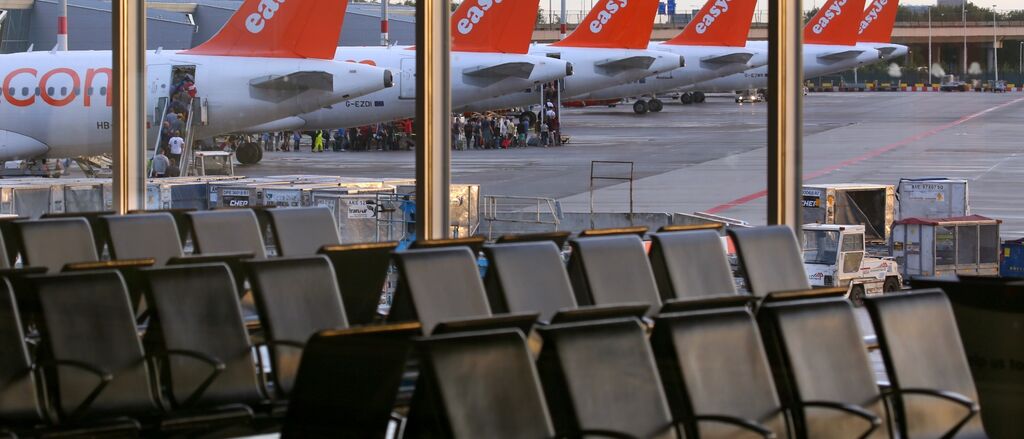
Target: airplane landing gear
(686,98)
(698,97)
(655,105)
(640,107)
(249,153)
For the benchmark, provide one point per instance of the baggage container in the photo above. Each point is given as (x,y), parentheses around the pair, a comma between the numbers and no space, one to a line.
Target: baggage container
(86,195)
(945,247)
(1012,264)
(30,200)
(933,198)
(869,205)
(361,213)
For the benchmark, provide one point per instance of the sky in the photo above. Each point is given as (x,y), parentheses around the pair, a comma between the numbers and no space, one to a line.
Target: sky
(685,5)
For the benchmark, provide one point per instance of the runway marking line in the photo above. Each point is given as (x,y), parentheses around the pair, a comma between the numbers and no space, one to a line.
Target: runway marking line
(866,156)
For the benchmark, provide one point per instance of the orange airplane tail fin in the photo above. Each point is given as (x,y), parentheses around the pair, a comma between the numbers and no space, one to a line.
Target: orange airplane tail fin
(279,29)
(503,26)
(719,23)
(878,21)
(835,23)
(615,24)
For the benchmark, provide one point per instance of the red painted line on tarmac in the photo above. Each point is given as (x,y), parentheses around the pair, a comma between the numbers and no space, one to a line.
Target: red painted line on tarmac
(869,155)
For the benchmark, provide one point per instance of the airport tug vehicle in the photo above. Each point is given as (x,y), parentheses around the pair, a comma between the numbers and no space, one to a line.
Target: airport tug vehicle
(835,256)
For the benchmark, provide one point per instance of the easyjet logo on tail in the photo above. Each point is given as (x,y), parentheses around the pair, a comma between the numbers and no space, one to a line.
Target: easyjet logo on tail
(474,14)
(603,17)
(834,10)
(872,14)
(265,11)
(720,7)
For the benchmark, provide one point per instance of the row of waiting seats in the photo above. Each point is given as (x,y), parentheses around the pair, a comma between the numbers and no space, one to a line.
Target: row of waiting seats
(622,344)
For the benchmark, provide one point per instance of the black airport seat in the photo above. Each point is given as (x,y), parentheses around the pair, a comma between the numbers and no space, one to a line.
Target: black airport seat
(181,220)
(932,391)
(602,376)
(227,231)
(990,318)
(149,235)
(478,385)
(362,271)
(441,288)
(9,232)
(612,270)
(20,405)
(716,374)
(98,233)
(771,259)
(198,320)
(54,243)
(691,265)
(91,353)
(527,277)
(295,298)
(560,238)
(822,369)
(302,231)
(530,277)
(348,382)
(475,243)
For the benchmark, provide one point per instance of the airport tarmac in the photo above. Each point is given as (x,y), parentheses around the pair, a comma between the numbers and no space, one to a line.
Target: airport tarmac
(712,157)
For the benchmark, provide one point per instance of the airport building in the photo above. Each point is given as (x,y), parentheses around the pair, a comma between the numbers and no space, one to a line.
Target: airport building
(173,24)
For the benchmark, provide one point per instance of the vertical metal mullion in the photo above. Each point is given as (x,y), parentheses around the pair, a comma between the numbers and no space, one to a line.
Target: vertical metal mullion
(785,112)
(128,122)
(433,114)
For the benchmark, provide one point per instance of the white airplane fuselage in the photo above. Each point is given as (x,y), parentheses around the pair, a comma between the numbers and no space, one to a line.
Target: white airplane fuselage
(470,82)
(593,69)
(58,104)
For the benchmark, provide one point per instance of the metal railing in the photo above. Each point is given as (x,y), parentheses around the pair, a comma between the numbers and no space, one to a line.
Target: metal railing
(514,209)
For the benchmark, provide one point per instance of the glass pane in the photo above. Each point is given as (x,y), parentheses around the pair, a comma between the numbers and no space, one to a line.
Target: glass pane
(988,244)
(945,245)
(967,244)
(820,246)
(853,243)
(852,261)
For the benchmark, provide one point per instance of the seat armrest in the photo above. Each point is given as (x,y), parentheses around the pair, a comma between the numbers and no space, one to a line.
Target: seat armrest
(215,364)
(972,407)
(285,343)
(117,264)
(854,410)
(105,377)
(747,424)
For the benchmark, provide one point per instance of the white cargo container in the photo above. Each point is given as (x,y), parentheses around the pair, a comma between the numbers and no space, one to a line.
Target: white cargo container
(933,198)
(870,205)
(946,246)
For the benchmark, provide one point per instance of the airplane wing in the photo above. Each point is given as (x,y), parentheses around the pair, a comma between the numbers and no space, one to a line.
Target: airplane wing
(633,62)
(295,82)
(521,70)
(277,88)
(840,55)
(886,50)
(728,58)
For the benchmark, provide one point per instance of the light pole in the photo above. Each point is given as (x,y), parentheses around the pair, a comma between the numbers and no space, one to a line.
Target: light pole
(964,15)
(929,46)
(1020,59)
(995,45)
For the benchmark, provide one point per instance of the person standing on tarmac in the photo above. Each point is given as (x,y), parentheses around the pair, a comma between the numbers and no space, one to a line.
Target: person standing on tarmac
(318,141)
